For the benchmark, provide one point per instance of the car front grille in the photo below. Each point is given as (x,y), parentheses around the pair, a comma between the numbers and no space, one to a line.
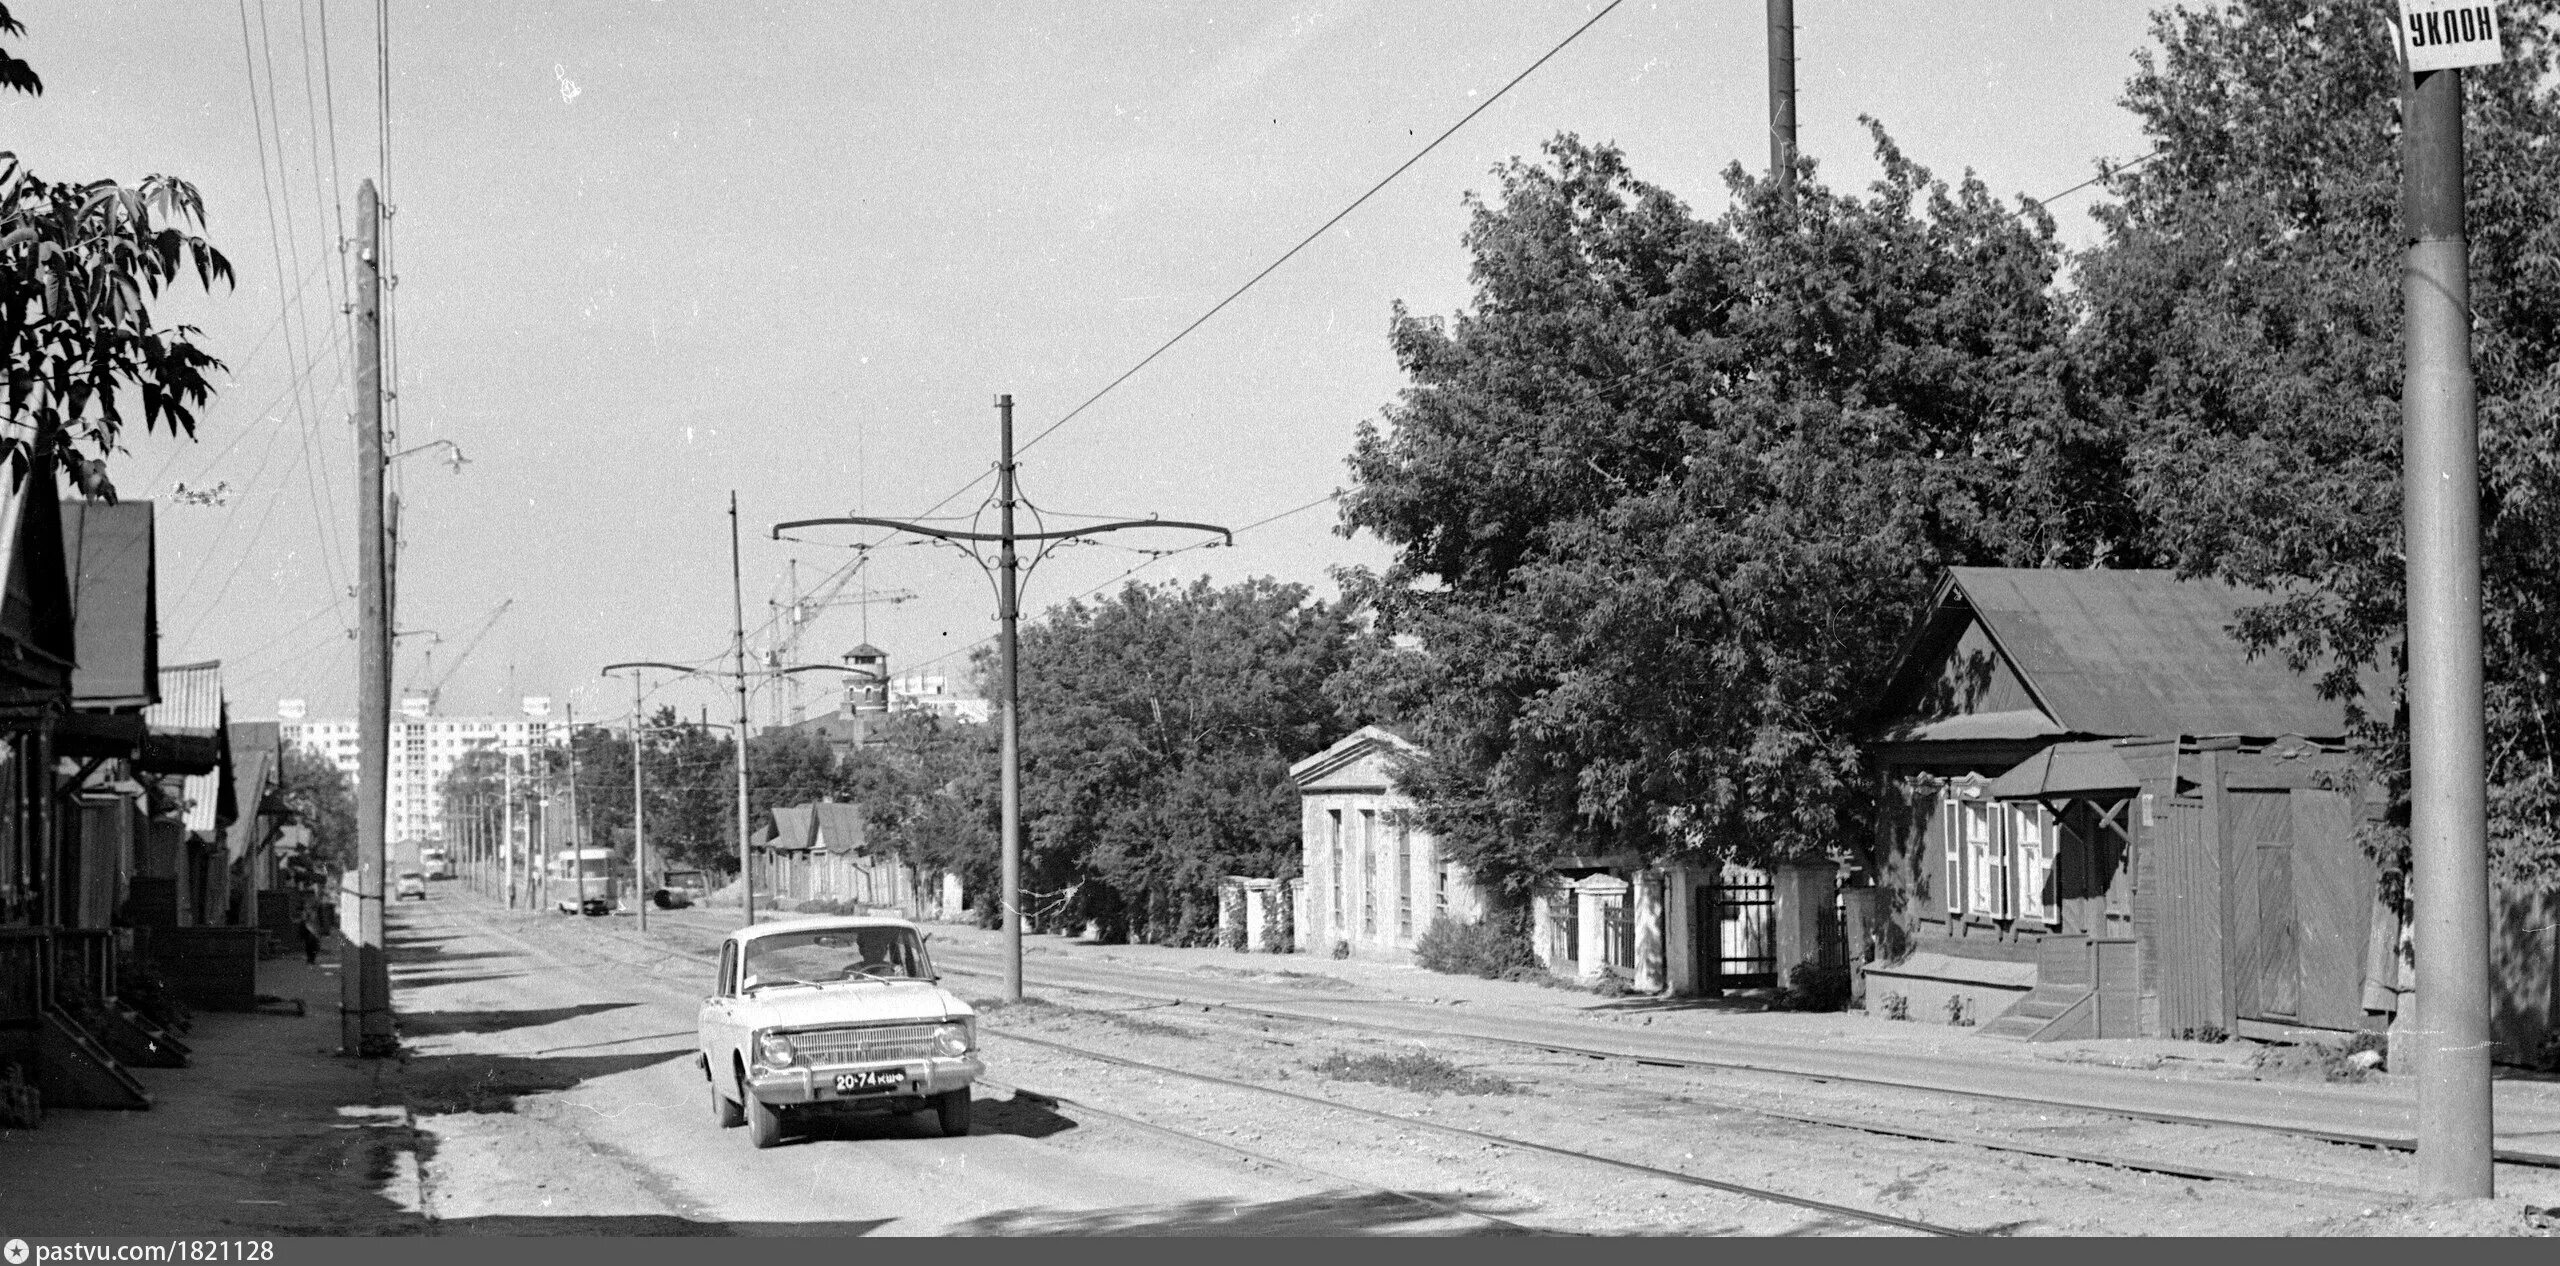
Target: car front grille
(865,1045)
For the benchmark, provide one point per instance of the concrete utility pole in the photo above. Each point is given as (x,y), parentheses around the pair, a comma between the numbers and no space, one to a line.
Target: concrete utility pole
(507,819)
(1782,95)
(364,974)
(639,829)
(1008,573)
(1009,624)
(2448,797)
(738,606)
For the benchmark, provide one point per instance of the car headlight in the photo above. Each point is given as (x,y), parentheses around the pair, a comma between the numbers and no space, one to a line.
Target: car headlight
(774,1050)
(957,1037)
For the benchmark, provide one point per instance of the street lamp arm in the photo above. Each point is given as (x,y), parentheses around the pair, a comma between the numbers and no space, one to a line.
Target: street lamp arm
(954,534)
(863,673)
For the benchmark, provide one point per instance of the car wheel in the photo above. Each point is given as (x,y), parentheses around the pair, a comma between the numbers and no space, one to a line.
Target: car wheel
(764,1122)
(724,1113)
(952,1108)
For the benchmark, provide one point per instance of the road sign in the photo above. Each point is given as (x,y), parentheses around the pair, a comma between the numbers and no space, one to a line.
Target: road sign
(2435,35)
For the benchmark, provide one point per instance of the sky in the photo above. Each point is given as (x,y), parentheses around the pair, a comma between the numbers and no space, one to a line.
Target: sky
(648,254)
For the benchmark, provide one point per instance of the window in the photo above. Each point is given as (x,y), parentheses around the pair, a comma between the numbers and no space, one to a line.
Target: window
(1440,889)
(1333,846)
(1978,871)
(2032,831)
(1404,883)
(1368,872)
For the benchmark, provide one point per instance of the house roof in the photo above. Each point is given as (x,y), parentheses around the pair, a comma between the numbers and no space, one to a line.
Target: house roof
(1353,746)
(840,826)
(2117,653)
(256,753)
(794,828)
(2066,769)
(110,554)
(35,601)
(190,699)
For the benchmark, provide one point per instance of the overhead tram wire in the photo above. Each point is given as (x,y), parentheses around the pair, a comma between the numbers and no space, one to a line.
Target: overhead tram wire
(1287,255)
(1337,218)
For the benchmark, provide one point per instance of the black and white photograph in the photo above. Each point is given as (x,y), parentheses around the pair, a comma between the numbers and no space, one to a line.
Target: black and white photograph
(627,620)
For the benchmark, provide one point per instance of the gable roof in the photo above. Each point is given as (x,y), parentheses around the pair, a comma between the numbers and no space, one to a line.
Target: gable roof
(109,551)
(1362,742)
(35,596)
(2115,653)
(840,826)
(794,827)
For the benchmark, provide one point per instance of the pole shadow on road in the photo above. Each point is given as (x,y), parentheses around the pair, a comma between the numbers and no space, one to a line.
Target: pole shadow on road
(440,1084)
(441,1023)
(642,1225)
(1324,1213)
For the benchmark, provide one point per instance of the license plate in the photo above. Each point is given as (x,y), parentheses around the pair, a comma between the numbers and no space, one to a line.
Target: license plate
(870,1080)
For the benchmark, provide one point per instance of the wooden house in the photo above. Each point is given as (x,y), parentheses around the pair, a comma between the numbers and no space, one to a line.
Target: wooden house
(2102,816)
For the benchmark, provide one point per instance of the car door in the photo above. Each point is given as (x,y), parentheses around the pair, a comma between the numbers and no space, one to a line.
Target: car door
(718,1023)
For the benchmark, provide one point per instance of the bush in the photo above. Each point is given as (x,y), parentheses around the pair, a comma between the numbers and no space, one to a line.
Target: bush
(1895,1006)
(1491,948)
(1417,1071)
(1813,986)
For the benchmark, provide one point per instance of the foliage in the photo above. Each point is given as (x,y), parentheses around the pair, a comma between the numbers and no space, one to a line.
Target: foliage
(1158,729)
(322,799)
(79,265)
(1666,496)
(1488,947)
(927,787)
(2243,331)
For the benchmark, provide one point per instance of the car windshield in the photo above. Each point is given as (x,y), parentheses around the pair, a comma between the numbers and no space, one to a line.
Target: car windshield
(832,954)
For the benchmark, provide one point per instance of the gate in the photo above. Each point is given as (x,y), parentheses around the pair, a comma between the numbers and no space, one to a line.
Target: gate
(1740,950)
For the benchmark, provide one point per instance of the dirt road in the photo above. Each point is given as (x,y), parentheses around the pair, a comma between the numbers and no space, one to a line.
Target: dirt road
(554,1091)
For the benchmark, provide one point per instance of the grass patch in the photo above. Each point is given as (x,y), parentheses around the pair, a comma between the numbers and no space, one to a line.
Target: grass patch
(1129,1022)
(2350,1059)
(1415,1071)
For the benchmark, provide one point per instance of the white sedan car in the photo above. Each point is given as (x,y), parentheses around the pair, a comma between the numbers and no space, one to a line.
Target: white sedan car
(834,1015)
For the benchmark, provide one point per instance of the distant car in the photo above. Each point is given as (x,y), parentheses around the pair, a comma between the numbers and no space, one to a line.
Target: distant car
(838,1014)
(411,884)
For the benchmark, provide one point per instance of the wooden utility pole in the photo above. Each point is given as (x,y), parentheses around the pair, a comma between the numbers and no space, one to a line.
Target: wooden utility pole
(2440,488)
(507,821)
(364,974)
(1782,95)
(738,607)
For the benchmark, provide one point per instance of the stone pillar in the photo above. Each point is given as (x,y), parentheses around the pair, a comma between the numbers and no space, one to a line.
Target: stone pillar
(1589,903)
(1649,931)
(1680,932)
(1862,926)
(1800,895)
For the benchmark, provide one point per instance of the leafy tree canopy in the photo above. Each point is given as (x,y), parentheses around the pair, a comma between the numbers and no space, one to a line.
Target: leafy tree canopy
(1666,496)
(2242,331)
(79,267)
(1158,729)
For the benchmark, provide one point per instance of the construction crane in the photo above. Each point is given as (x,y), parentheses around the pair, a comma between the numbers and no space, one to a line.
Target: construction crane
(427,669)
(791,621)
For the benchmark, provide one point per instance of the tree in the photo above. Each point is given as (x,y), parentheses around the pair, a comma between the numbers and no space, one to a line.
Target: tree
(79,265)
(928,789)
(320,797)
(2243,331)
(1666,497)
(1157,733)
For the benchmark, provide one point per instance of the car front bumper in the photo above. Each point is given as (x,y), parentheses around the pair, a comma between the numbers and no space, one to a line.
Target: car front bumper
(923,1077)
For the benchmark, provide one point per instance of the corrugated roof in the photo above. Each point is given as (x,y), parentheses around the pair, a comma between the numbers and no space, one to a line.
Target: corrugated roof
(190,699)
(2141,652)
(109,554)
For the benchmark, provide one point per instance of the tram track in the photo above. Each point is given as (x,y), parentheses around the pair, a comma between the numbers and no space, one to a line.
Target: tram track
(2379,1142)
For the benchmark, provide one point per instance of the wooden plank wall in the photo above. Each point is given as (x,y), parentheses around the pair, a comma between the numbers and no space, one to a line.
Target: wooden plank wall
(2189,945)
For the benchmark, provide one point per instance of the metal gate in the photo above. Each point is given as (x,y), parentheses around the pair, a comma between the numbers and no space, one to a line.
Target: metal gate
(1740,949)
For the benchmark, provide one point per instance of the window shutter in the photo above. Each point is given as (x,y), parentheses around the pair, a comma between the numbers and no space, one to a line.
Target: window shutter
(1951,839)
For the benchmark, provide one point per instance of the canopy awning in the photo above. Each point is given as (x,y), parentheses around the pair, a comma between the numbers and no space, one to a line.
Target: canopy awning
(2066,770)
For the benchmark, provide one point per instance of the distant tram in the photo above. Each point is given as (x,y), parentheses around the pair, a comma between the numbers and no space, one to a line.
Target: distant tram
(585,880)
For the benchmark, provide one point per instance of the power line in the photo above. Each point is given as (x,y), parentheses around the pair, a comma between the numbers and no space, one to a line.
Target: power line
(2103,174)
(1337,218)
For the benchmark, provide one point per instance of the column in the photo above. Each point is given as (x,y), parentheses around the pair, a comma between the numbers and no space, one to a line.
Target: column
(1648,914)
